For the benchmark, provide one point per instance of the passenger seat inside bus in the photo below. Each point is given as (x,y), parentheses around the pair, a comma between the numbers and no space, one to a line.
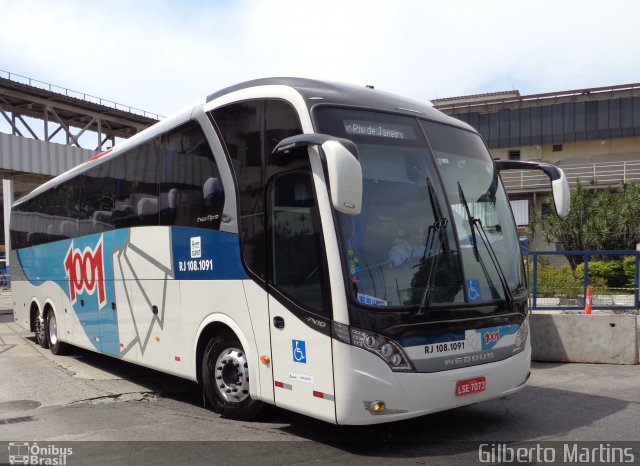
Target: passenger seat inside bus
(102,220)
(212,192)
(187,206)
(148,211)
(68,229)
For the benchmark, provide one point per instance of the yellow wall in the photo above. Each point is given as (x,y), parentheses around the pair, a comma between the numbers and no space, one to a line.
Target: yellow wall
(577,153)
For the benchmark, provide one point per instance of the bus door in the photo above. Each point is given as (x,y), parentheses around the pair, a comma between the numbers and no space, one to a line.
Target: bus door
(299,299)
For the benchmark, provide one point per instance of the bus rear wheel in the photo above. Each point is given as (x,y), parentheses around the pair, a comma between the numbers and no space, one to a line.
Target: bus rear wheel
(40,332)
(225,378)
(51,328)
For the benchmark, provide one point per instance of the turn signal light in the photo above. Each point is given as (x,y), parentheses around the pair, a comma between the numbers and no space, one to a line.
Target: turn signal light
(265,359)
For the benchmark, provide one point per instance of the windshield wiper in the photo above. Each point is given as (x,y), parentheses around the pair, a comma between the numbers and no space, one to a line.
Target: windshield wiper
(472,220)
(436,231)
(476,223)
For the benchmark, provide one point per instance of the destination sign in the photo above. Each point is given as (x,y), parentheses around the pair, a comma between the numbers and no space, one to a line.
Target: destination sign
(377,129)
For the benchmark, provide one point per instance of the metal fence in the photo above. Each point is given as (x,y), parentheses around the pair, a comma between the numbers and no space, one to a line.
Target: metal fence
(559,279)
(604,174)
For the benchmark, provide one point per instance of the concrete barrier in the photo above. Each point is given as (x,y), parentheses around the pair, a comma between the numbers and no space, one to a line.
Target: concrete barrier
(576,337)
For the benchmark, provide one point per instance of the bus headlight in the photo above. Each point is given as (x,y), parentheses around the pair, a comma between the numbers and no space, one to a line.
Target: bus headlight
(521,336)
(388,350)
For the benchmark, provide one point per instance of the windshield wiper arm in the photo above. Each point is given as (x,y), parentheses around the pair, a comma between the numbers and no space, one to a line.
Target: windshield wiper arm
(472,220)
(436,230)
(494,258)
(440,222)
(475,223)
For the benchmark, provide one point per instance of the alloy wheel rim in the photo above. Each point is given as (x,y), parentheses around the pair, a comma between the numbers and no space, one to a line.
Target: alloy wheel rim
(231,375)
(53,330)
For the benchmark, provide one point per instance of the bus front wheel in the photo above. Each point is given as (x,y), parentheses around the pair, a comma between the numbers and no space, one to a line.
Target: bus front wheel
(225,377)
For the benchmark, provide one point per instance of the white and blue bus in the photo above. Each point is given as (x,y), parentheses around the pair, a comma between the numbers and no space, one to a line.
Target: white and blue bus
(334,250)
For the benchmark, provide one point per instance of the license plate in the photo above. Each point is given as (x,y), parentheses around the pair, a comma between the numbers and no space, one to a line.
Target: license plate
(469,386)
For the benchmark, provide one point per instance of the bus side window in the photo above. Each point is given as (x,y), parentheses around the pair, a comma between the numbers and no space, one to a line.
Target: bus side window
(136,179)
(191,194)
(97,197)
(250,130)
(240,128)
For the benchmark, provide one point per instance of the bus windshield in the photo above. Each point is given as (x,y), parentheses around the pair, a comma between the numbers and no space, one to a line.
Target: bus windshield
(435,226)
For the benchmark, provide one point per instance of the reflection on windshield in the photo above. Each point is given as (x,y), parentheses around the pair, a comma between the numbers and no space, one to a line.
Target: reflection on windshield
(388,261)
(465,167)
(391,256)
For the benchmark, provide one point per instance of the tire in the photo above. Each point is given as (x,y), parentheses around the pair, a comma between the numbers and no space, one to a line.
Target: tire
(51,329)
(41,335)
(225,379)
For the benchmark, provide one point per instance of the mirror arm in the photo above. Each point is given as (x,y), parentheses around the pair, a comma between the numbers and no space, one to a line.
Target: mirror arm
(550,170)
(559,184)
(304,140)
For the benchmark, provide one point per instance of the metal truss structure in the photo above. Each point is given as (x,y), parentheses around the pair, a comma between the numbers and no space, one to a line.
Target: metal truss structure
(65,112)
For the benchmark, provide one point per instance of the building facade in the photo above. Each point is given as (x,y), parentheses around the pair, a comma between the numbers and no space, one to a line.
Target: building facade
(593,134)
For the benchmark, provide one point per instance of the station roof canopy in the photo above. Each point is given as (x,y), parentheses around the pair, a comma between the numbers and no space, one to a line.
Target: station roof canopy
(511,120)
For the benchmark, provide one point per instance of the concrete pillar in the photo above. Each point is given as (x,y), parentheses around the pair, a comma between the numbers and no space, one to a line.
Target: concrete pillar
(7,193)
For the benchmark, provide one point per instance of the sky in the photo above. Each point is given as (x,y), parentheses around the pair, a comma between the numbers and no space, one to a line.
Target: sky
(161,56)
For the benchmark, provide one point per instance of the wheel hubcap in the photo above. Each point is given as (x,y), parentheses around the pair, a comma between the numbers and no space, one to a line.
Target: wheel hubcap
(232,375)
(53,330)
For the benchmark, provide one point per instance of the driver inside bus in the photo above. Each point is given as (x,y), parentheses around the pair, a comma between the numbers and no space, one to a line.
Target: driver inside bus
(403,248)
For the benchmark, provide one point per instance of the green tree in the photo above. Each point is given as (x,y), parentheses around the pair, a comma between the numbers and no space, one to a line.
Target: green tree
(600,219)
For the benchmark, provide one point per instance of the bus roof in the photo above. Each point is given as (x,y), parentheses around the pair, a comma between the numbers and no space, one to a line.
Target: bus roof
(315,92)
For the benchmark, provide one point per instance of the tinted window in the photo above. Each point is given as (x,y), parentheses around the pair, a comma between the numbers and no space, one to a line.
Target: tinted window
(250,130)
(297,258)
(62,207)
(241,128)
(97,199)
(171,180)
(136,189)
(191,191)
(51,216)
(30,226)
(281,122)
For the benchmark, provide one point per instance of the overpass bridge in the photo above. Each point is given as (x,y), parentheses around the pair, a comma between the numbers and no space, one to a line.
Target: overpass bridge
(46,129)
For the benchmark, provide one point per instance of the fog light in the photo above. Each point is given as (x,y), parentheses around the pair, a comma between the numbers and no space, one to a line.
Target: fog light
(377,407)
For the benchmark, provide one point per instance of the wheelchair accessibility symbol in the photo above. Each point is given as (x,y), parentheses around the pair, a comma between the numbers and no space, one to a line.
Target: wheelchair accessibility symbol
(473,290)
(299,351)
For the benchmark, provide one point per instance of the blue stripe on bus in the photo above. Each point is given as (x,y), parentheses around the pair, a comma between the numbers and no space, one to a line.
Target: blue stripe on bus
(47,263)
(197,254)
(418,340)
(206,254)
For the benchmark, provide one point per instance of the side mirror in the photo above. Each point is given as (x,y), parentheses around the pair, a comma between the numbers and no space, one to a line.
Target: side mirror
(559,183)
(343,168)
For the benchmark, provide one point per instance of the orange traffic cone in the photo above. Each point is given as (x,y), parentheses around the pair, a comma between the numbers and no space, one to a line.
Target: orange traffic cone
(587,301)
